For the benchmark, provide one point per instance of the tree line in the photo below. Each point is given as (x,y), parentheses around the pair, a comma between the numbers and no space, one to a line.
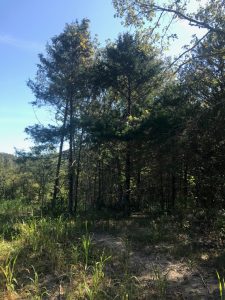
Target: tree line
(134,131)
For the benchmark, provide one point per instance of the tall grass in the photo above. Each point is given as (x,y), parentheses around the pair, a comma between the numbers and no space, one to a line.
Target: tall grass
(98,274)
(38,292)
(8,271)
(221,285)
(161,282)
(86,243)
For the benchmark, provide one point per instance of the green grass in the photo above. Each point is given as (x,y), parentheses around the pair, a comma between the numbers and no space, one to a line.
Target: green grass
(45,256)
(221,285)
(41,256)
(8,271)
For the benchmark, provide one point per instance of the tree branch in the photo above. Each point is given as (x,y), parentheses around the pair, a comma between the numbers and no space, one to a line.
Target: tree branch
(188,18)
(185,52)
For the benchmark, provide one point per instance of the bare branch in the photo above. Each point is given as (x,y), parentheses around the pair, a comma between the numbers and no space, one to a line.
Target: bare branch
(192,21)
(188,50)
(157,23)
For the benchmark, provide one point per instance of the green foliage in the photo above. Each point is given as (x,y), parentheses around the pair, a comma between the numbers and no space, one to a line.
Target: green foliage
(161,282)
(38,292)
(140,141)
(86,243)
(221,285)
(8,270)
(157,17)
(128,70)
(97,278)
(34,231)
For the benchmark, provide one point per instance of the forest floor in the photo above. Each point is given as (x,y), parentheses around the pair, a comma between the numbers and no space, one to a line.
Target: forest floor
(169,257)
(162,275)
(141,257)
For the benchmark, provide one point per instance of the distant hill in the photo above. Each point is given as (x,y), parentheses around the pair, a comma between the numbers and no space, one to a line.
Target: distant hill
(4,154)
(6,160)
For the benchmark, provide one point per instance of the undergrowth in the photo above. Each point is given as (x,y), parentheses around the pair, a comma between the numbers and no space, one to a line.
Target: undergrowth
(47,257)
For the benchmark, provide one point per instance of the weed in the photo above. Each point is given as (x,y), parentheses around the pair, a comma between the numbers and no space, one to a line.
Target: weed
(97,277)
(86,243)
(127,284)
(191,263)
(160,281)
(8,271)
(221,285)
(38,292)
(74,254)
(127,287)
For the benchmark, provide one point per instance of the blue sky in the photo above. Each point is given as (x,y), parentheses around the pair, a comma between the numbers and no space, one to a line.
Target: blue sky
(25,28)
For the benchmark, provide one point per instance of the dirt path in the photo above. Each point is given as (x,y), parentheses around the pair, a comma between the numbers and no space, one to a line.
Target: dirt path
(178,279)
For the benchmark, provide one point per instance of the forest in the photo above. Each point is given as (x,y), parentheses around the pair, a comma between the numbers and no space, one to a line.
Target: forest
(123,196)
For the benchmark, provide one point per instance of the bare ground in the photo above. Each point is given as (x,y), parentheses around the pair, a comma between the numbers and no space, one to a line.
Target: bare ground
(159,273)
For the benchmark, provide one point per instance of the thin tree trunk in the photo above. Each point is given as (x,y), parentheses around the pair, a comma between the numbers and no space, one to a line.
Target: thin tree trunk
(94,190)
(128,160)
(173,191)
(77,174)
(127,182)
(99,198)
(71,160)
(56,184)
(185,185)
(138,189)
(120,187)
(162,202)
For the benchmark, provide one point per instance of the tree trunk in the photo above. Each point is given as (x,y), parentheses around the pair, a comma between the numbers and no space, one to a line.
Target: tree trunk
(56,184)
(173,191)
(138,190)
(185,185)
(162,199)
(120,187)
(127,180)
(71,160)
(77,174)
(128,159)
(100,184)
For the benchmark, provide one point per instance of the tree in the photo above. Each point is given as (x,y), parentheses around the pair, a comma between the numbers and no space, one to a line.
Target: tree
(35,169)
(8,176)
(128,73)
(61,82)
(204,84)
(140,13)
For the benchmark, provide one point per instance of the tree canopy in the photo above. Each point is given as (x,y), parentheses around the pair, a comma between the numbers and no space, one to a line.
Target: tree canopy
(130,134)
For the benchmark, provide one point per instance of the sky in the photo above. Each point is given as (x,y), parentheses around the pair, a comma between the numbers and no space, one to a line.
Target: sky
(25,28)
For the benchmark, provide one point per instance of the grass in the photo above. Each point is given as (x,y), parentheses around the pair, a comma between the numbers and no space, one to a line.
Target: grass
(56,256)
(221,285)
(97,278)
(86,243)
(42,257)
(8,270)
(161,282)
(36,290)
